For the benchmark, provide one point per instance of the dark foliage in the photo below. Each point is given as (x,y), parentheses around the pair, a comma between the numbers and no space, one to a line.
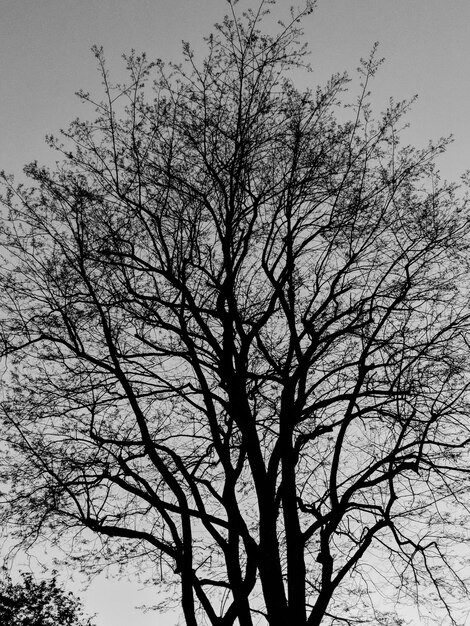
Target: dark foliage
(33,603)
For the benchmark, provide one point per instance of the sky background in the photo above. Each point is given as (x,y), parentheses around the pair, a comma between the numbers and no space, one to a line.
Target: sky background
(45,58)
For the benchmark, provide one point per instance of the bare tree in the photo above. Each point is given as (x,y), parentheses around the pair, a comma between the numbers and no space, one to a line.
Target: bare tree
(235,319)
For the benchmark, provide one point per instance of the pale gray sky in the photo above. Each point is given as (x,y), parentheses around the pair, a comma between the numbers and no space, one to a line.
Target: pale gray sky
(45,57)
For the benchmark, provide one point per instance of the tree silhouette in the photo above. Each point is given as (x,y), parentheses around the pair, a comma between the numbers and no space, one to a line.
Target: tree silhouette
(235,319)
(33,603)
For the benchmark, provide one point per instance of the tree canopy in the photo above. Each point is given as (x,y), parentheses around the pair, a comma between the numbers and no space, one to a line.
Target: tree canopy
(235,324)
(33,603)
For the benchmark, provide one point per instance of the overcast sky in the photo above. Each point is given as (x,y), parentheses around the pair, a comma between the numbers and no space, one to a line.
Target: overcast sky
(45,57)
